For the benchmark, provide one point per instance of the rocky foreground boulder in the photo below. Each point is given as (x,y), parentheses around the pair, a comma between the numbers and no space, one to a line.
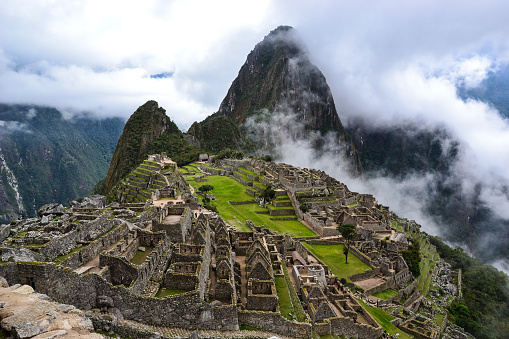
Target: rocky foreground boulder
(26,314)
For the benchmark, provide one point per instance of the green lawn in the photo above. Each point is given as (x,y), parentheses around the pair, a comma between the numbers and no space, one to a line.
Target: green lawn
(384,295)
(285,302)
(245,170)
(226,189)
(164,292)
(384,319)
(140,256)
(333,256)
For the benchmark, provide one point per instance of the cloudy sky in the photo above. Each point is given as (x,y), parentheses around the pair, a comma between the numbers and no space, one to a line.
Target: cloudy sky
(388,61)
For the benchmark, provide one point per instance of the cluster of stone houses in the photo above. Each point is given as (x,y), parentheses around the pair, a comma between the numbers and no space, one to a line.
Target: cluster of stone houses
(173,265)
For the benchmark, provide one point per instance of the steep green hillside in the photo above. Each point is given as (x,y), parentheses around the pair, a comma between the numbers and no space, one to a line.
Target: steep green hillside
(216,133)
(148,131)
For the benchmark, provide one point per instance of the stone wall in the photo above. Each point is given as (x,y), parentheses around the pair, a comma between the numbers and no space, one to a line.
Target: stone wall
(247,202)
(185,310)
(350,329)
(316,224)
(239,178)
(362,257)
(303,251)
(60,246)
(274,322)
(214,171)
(177,231)
(362,276)
(402,294)
(95,247)
(4,232)
(84,232)
(281,212)
(379,288)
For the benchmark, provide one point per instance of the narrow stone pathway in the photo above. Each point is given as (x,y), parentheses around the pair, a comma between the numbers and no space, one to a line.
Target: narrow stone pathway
(243,279)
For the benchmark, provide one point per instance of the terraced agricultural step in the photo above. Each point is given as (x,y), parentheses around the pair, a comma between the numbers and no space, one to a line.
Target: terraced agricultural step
(144,171)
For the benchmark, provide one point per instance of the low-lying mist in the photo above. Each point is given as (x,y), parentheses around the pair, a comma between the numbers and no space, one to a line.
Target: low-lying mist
(455,203)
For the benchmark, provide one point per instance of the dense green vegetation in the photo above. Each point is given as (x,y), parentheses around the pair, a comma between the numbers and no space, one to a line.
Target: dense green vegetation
(412,257)
(484,310)
(148,131)
(53,158)
(216,133)
(228,154)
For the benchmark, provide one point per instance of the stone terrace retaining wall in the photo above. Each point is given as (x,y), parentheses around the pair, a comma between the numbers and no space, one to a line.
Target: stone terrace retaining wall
(97,246)
(316,225)
(403,293)
(274,322)
(88,231)
(215,171)
(346,326)
(362,276)
(239,178)
(281,212)
(325,241)
(242,202)
(185,310)
(362,257)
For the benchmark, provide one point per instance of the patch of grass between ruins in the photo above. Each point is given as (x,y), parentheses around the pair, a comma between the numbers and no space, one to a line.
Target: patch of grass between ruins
(245,327)
(61,258)
(284,299)
(140,256)
(106,334)
(299,310)
(384,319)
(384,295)
(332,255)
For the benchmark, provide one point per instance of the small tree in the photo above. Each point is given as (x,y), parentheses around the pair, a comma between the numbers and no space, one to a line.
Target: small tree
(347,231)
(205,188)
(268,194)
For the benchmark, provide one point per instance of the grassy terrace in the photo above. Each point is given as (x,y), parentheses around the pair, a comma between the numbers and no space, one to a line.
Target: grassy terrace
(244,176)
(280,208)
(259,184)
(226,188)
(283,294)
(294,299)
(333,256)
(245,170)
(384,319)
(384,295)
(61,258)
(428,262)
(140,256)
(164,292)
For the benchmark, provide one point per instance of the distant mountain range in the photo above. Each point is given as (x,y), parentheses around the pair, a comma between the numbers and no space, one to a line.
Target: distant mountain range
(46,158)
